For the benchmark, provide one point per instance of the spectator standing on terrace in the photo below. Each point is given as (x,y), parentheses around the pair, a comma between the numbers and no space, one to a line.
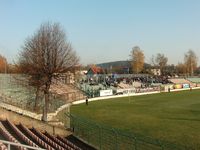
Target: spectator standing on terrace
(168,89)
(86,101)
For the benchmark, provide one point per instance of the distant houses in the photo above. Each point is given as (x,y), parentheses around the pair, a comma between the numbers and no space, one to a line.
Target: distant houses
(94,70)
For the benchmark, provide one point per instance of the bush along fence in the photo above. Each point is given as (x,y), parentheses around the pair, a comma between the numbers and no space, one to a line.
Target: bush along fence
(107,138)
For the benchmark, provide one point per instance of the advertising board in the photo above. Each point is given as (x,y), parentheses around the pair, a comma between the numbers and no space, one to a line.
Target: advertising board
(186,86)
(106,92)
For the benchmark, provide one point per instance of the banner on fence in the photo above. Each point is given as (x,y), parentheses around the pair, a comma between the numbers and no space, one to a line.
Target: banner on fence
(126,91)
(106,92)
(178,86)
(186,86)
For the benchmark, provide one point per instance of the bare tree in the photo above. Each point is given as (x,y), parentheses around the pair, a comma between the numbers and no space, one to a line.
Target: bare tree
(191,60)
(181,68)
(161,61)
(137,58)
(152,61)
(45,56)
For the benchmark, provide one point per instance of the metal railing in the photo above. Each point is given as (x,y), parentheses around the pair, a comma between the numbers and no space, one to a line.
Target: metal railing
(106,138)
(8,144)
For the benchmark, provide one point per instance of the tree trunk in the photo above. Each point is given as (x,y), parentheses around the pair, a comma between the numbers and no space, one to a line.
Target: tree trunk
(36,100)
(46,104)
(45,107)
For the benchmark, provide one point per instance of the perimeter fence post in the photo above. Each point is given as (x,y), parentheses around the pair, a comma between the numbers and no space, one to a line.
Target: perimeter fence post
(162,146)
(116,140)
(99,128)
(135,145)
(8,146)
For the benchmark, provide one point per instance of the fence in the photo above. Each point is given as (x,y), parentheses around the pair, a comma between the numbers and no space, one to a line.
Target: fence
(14,90)
(106,138)
(11,145)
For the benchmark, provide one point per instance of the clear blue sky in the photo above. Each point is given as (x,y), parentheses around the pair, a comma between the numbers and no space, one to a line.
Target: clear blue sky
(106,30)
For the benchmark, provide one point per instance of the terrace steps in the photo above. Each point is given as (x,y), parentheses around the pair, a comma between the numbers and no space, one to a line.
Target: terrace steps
(32,137)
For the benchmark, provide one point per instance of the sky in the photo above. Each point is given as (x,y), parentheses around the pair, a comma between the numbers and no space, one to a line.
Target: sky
(106,30)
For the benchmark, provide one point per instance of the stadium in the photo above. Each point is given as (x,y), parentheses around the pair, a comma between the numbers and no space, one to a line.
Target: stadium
(99,75)
(153,117)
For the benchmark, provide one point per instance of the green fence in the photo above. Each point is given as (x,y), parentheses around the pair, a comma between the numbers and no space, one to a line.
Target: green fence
(14,89)
(107,138)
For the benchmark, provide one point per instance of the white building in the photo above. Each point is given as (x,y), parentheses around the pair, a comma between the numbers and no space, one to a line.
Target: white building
(156,72)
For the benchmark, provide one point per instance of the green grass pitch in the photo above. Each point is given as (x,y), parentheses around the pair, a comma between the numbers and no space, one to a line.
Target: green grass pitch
(173,117)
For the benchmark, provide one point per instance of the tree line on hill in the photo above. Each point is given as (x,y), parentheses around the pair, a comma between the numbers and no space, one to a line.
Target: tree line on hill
(188,67)
(136,64)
